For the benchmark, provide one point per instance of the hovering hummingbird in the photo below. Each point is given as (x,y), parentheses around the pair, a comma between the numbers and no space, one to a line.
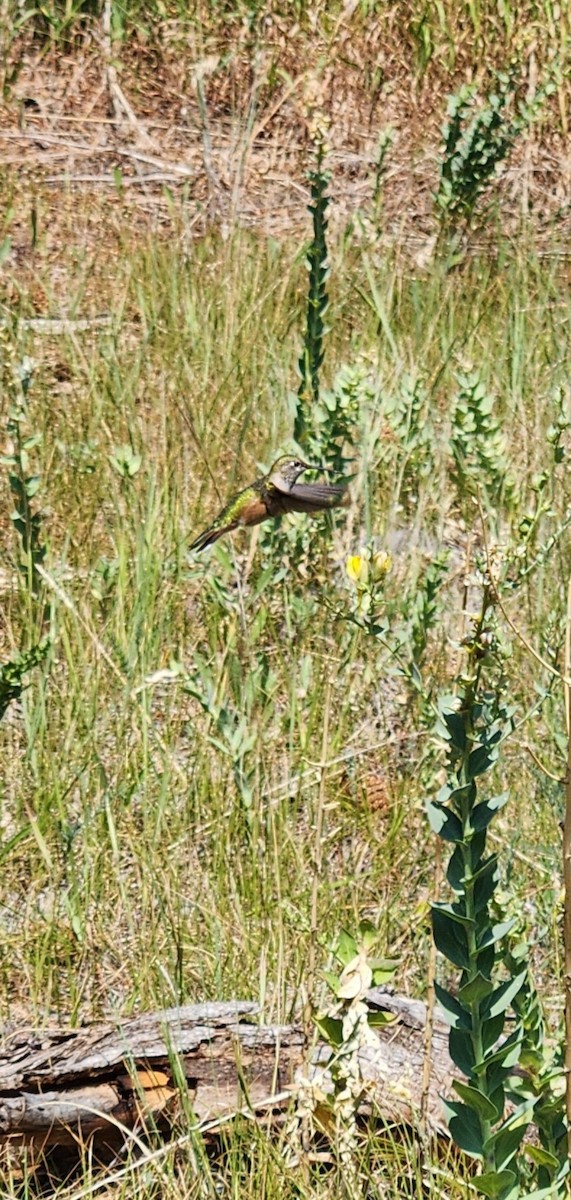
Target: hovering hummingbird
(272,495)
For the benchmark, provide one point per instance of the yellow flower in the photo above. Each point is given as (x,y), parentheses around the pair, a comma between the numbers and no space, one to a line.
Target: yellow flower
(357,569)
(381,564)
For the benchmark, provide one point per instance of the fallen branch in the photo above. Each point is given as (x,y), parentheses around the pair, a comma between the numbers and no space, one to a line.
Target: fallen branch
(58,1085)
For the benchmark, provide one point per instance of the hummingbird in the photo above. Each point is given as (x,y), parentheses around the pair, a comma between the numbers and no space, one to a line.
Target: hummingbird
(272,495)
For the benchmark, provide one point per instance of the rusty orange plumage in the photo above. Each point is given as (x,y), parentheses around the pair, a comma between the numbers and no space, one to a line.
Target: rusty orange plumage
(270,496)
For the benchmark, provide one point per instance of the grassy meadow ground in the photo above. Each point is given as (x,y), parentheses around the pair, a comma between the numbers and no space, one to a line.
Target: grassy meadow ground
(161,782)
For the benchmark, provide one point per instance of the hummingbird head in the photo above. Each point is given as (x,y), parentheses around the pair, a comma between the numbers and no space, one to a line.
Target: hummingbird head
(286,470)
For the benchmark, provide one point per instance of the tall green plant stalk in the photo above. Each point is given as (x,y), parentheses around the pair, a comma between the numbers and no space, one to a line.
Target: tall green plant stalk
(478,137)
(317,300)
(25,485)
(27,520)
(474,723)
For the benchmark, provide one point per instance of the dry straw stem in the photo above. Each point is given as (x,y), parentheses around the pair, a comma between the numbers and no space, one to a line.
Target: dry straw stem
(110,1179)
(318,859)
(524,641)
(519,635)
(93,149)
(545,770)
(121,106)
(567,875)
(430,1002)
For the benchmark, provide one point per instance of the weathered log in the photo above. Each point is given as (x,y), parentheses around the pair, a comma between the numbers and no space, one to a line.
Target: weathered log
(58,1085)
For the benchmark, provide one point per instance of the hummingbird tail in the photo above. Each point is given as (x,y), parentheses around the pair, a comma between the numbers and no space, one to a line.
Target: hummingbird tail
(208,537)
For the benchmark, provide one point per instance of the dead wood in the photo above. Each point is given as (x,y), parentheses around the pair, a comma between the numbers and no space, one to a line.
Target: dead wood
(58,1086)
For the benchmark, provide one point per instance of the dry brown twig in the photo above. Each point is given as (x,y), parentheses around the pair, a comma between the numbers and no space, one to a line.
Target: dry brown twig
(121,108)
(564,677)
(84,148)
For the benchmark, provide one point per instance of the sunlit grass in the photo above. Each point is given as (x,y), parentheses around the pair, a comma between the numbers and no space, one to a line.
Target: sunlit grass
(446,35)
(144,864)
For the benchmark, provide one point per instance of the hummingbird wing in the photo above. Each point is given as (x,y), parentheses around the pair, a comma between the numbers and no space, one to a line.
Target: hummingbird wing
(313,497)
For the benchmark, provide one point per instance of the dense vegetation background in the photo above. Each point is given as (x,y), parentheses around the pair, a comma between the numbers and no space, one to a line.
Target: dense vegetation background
(214,765)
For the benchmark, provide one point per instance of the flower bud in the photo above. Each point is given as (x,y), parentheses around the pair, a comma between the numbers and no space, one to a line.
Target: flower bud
(381,564)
